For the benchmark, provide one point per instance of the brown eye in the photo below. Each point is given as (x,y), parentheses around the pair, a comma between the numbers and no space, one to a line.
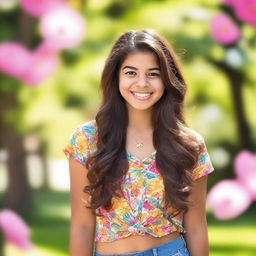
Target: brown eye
(130,73)
(154,74)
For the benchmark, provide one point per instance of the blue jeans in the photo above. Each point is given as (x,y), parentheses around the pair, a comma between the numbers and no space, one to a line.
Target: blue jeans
(176,247)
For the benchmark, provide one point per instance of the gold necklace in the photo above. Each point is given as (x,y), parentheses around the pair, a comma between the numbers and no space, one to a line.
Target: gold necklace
(138,144)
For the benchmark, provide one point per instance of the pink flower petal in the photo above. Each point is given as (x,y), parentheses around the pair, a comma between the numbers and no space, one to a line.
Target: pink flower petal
(42,66)
(223,29)
(39,7)
(15,229)
(245,169)
(228,199)
(14,58)
(246,10)
(46,47)
(62,27)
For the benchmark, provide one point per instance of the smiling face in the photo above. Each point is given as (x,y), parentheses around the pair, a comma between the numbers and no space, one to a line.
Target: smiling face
(140,82)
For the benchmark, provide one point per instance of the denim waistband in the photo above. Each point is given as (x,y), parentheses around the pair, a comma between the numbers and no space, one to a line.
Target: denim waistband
(170,247)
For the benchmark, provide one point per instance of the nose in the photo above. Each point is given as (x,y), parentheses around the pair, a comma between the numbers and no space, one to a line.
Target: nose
(142,80)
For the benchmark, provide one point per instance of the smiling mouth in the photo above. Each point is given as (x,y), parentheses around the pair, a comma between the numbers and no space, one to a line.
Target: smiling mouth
(142,95)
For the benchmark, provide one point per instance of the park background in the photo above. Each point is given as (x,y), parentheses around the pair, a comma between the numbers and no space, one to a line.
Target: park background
(37,120)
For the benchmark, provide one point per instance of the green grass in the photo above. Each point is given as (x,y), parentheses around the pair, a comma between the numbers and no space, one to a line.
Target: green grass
(235,237)
(50,221)
(50,227)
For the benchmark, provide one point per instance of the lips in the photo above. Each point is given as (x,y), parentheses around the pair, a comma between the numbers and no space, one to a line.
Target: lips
(142,95)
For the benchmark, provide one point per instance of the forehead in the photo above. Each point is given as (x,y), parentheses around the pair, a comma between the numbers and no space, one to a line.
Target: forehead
(141,58)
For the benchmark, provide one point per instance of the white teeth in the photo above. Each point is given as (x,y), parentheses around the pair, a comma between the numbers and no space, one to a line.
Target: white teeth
(141,94)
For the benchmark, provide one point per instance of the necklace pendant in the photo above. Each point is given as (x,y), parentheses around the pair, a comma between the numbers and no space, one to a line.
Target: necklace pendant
(139,145)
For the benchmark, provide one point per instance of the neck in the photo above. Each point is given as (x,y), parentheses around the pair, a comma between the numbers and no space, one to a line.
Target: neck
(140,120)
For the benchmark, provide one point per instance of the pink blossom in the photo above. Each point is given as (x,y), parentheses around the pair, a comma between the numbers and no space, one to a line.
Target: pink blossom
(228,199)
(39,7)
(246,10)
(223,29)
(14,59)
(15,229)
(245,169)
(62,27)
(42,66)
(46,48)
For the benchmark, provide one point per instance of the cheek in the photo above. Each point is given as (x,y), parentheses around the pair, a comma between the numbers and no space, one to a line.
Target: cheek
(123,88)
(160,88)
(123,84)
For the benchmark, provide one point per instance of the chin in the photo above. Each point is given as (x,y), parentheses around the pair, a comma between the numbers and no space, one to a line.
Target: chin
(140,108)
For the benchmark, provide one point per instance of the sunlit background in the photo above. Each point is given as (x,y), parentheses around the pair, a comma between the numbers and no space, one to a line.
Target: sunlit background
(52,53)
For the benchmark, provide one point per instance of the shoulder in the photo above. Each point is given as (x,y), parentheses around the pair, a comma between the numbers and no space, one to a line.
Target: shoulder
(88,127)
(85,135)
(87,130)
(82,142)
(203,165)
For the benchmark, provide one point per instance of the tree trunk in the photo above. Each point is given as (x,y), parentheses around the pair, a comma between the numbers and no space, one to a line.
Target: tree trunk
(243,130)
(236,80)
(18,194)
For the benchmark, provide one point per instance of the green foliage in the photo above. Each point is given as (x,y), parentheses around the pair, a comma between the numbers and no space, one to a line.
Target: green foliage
(8,24)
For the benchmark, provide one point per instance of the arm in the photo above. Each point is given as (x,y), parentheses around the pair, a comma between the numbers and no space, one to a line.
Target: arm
(82,220)
(195,220)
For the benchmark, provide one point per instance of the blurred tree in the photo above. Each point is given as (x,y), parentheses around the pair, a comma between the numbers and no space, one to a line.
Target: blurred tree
(20,27)
(237,80)
(18,194)
(205,47)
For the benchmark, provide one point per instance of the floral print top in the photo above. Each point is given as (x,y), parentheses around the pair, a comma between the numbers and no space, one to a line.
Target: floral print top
(141,208)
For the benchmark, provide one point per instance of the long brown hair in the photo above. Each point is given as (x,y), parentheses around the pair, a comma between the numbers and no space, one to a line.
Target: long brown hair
(175,157)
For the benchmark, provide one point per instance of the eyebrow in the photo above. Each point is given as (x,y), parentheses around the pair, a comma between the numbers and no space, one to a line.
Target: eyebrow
(131,67)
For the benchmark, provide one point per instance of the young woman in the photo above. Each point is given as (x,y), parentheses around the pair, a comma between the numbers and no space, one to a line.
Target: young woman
(138,173)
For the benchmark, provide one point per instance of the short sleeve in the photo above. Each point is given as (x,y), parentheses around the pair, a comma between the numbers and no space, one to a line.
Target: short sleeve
(78,146)
(204,165)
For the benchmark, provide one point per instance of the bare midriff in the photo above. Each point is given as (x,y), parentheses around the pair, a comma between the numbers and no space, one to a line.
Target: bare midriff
(132,244)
